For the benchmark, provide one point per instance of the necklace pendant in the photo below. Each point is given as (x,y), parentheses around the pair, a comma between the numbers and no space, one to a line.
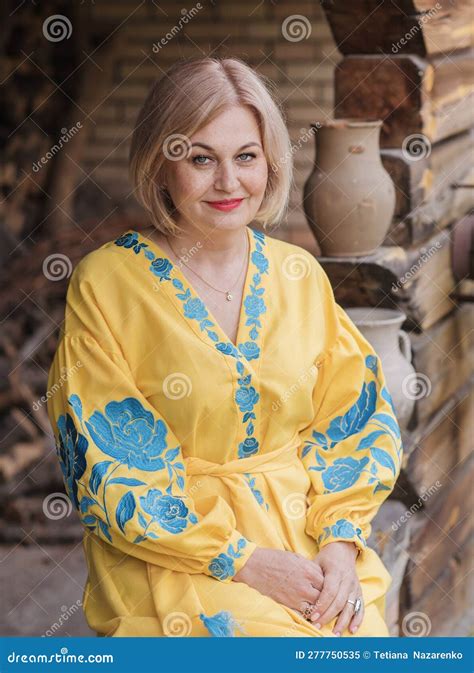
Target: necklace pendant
(228,296)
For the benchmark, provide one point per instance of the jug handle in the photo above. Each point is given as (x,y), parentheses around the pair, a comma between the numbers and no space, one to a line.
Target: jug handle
(405,344)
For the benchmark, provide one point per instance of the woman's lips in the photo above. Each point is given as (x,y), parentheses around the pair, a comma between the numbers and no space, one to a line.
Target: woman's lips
(225,205)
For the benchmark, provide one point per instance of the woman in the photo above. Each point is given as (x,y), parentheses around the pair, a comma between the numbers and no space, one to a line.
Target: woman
(224,430)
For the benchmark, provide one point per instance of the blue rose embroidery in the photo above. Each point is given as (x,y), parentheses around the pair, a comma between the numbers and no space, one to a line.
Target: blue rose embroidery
(250,350)
(71,450)
(169,512)
(161,268)
(248,447)
(342,529)
(222,566)
(246,398)
(194,308)
(130,434)
(343,473)
(130,240)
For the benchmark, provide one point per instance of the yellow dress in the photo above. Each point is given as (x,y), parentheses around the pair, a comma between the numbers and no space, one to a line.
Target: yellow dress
(182,452)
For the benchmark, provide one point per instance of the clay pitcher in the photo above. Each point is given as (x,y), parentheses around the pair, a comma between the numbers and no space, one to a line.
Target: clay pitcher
(381,328)
(349,198)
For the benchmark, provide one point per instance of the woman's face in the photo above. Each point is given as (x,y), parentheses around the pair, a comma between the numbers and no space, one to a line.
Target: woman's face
(226,162)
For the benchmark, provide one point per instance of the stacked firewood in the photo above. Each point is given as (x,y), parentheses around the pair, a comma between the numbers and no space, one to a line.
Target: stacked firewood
(32,304)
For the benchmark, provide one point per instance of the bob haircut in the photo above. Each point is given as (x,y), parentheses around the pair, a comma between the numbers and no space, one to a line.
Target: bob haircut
(190,94)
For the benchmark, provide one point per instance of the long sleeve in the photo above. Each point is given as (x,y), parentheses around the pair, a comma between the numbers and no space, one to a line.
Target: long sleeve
(122,465)
(352,450)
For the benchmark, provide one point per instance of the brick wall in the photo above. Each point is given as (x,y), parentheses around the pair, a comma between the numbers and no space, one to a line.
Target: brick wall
(303,71)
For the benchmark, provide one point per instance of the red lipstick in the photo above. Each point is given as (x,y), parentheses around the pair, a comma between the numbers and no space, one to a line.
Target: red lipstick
(225,205)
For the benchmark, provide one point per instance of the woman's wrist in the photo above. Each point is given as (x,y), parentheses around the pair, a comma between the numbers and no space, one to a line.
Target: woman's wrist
(243,574)
(348,544)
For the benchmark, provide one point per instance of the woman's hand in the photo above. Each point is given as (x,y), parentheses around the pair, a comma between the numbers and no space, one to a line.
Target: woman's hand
(284,576)
(337,563)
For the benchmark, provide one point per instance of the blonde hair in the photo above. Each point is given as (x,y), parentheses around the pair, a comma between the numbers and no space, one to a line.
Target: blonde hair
(188,96)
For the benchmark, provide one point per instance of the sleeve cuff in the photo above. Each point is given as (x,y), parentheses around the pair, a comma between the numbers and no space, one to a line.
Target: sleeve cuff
(341,530)
(231,559)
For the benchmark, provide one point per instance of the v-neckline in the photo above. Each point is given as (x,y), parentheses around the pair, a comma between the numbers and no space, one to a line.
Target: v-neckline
(177,274)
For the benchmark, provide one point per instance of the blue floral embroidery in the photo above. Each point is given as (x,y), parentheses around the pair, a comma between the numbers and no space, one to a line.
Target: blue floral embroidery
(254,306)
(258,494)
(130,240)
(161,268)
(341,529)
(72,449)
(344,472)
(221,567)
(128,433)
(168,511)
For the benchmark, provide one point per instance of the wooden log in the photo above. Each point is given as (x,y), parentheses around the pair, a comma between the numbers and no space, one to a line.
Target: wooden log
(438,444)
(446,529)
(447,600)
(417,280)
(19,458)
(431,192)
(392,546)
(443,357)
(420,27)
(412,96)
(42,519)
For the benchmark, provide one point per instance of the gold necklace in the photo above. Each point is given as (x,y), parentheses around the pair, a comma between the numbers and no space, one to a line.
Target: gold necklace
(228,294)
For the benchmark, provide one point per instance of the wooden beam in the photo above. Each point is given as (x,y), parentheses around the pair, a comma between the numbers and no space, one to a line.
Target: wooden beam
(431,192)
(413,96)
(417,280)
(422,27)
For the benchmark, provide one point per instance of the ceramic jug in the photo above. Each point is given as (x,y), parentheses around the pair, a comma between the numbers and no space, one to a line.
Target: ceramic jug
(349,198)
(381,328)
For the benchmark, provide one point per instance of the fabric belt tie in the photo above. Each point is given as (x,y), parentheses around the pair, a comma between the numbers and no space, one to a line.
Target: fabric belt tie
(261,462)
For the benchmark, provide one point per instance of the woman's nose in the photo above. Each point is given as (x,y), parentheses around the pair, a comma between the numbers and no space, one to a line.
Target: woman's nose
(226,176)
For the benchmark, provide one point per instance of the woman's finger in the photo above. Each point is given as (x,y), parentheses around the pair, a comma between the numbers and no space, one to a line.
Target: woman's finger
(358,618)
(337,604)
(330,590)
(347,613)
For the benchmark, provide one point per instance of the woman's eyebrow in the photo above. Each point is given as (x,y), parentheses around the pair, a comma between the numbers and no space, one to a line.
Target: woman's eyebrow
(208,147)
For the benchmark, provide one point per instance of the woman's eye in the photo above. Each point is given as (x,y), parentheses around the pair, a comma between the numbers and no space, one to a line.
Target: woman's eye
(199,156)
(201,159)
(247,154)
